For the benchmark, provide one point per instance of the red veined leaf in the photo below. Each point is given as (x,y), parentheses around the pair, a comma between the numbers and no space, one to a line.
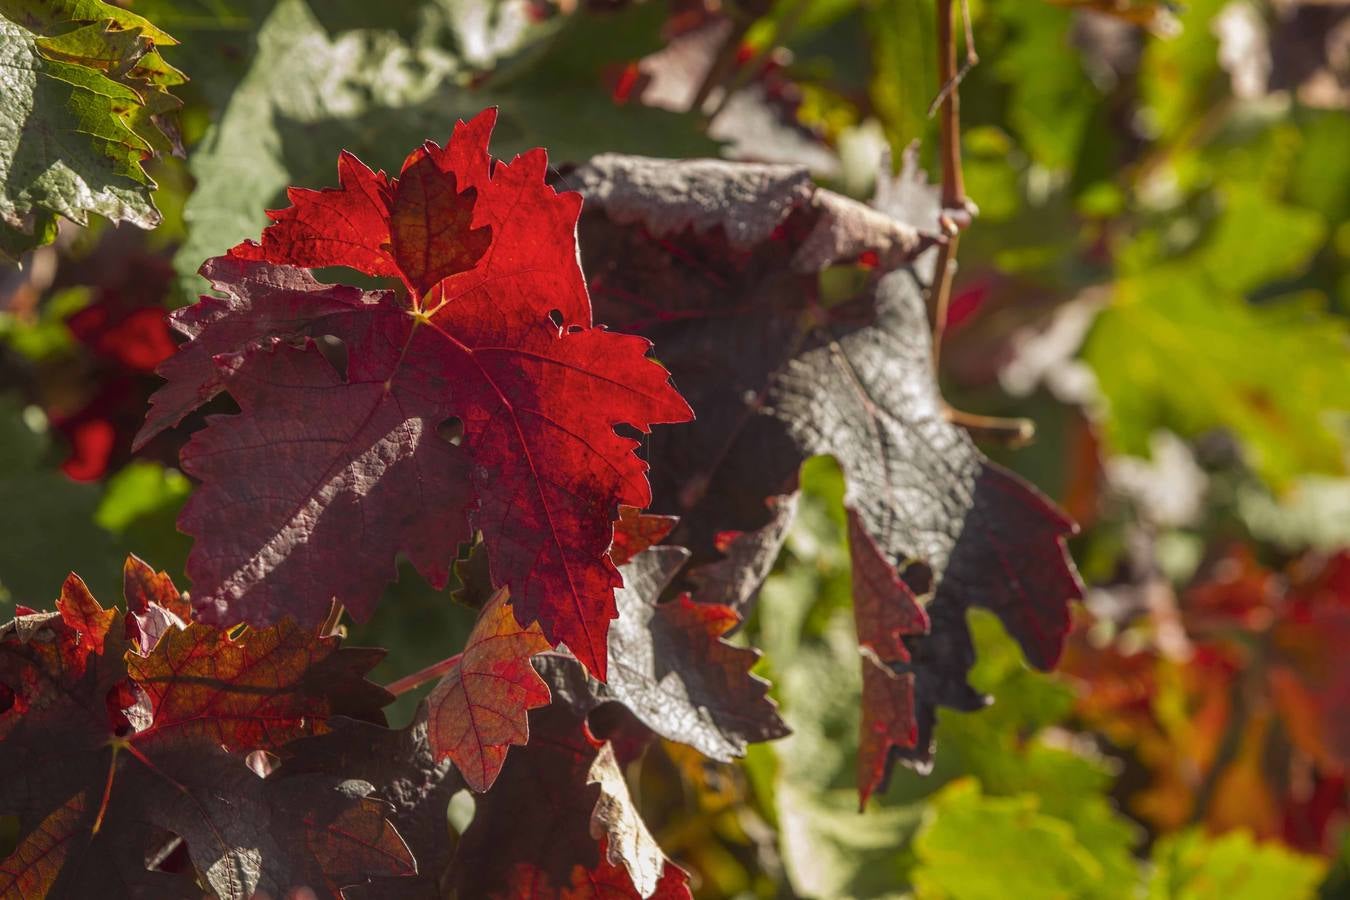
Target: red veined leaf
(408,775)
(481,398)
(119,735)
(82,613)
(154,605)
(481,706)
(635,532)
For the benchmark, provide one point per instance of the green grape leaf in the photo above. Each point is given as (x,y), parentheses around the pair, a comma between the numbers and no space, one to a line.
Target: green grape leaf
(1051,98)
(84,91)
(1193,866)
(976,847)
(1181,348)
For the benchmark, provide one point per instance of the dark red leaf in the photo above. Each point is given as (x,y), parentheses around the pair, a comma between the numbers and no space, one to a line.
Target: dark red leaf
(407,775)
(721,264)
(672,669)
(886,612)
(256,301)
(747,559)
(271,540)
(559,822)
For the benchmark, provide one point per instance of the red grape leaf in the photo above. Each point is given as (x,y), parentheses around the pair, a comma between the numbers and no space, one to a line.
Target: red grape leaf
(256,691)
(1274,638)
(1310,677)
(671,668)
(345,226)
(635,532)
(255,302)
(38,859)
(480,708)
(492,337)
(86,619)
(385,483)
(794,321)
(559,822)
(886,612)
(117,735)
(154,605)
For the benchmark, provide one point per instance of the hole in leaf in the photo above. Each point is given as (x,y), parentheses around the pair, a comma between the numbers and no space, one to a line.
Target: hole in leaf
(262,762)
(128,708)
(335,351)
(555,316)
(451,430)
(918,576)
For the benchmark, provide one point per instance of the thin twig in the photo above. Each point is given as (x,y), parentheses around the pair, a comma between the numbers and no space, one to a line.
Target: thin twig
(972,60)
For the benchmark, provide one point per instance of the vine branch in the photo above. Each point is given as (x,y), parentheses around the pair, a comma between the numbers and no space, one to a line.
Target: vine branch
(957,213)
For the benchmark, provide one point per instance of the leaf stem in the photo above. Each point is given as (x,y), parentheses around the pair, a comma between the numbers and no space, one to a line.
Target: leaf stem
(422,676)
(107,787)
(1011,432)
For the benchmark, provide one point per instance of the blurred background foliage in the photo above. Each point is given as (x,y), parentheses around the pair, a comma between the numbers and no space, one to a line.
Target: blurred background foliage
(1159,277)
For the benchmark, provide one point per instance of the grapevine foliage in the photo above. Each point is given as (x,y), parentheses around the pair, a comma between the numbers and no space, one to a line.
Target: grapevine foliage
(700,575)
(133,730)
(474,399)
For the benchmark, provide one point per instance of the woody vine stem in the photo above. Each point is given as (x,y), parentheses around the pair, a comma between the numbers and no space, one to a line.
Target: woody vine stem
(958,212)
